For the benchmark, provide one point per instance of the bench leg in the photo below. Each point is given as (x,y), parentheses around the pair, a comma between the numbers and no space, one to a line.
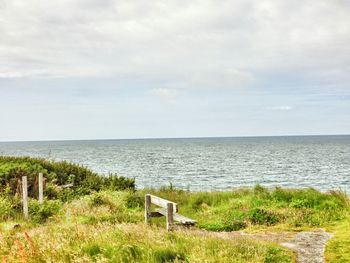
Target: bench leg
(170,217)
(147,208)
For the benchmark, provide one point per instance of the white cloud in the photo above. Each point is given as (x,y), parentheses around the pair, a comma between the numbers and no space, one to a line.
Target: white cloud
(128,68)
(281,108)
(185,43)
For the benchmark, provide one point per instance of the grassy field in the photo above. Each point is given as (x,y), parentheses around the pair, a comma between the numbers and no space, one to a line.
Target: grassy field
(108,227)
(106,224)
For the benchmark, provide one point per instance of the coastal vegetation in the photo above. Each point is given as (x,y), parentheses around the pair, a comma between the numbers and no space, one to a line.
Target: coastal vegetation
(100,219)
(57,174)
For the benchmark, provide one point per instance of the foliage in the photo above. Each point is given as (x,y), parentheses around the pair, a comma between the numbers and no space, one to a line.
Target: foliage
(39,213)
(57,174)
(263,217)
(6,209)
(92,222)
(242,208)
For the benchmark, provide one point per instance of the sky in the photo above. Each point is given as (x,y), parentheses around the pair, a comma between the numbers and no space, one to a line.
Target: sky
(110,69)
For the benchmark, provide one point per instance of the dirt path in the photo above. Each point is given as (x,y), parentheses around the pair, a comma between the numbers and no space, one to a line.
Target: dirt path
(309,246)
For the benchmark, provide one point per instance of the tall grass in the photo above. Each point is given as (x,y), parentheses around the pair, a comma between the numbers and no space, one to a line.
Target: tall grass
(243,208)
(107,242)
(108,227)
(100,219)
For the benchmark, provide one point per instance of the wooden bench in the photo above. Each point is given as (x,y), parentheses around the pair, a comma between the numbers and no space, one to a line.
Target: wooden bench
(168,209)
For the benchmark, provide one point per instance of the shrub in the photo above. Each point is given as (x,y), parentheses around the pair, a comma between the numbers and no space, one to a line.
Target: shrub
(97,200)
(106,199)
(134,200)
(299,203)
(5,208)
(261,191)
(39,213)
(260,216)
(225,226)
(57,174)
(282,195)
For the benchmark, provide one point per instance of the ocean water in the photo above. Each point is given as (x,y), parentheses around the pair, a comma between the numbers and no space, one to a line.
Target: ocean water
(208,164)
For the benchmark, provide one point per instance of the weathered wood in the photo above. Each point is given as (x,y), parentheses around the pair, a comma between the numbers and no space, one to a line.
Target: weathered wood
(169,211)
(170,216)
(162,202)
(147,208)
(25,197)
(177,217)
(41,188)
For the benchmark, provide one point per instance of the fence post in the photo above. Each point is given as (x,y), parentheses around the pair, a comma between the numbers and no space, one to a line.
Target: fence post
(25,197)
(170,217)
(41,188)
(147,208)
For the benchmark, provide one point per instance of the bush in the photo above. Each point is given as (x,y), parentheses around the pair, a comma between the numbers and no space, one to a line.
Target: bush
(260,216)
(300,203)
(225,226)
(39,213)
(5,208)
(261,191)
(57,174)
(134,200)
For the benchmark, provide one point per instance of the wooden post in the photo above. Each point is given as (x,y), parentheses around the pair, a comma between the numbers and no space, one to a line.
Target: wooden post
(147,208)
(25,197)
(170,216)
(41,188)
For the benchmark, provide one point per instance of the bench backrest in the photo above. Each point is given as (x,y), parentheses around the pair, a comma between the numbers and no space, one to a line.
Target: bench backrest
(162,202)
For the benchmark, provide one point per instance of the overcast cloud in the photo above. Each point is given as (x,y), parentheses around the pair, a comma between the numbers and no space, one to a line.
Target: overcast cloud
(85,69)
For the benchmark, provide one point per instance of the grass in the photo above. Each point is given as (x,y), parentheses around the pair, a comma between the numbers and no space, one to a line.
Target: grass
(105,242)
(108,227)
(260,208)
(106,223)
(338,248)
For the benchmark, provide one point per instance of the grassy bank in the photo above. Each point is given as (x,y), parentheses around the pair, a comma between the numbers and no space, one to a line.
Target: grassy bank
(108,227)
(104,222)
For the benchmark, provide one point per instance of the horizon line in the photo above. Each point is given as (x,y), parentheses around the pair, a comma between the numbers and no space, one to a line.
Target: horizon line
(169,138)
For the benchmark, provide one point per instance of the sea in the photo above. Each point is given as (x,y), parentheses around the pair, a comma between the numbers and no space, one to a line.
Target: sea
(208,164)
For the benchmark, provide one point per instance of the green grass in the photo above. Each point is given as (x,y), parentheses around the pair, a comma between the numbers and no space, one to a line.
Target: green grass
(338,248)
(106,225)
(260,208)
(105,242)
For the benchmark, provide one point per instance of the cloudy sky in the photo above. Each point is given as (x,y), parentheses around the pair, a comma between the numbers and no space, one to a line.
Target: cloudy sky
(89,69)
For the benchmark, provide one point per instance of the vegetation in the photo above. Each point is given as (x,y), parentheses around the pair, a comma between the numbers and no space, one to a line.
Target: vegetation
(57,174)
(107,227)
(101,220)
(260,208)
(338,247)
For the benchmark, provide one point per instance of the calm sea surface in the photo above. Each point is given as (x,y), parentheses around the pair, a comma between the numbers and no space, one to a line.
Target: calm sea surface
(322,162)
